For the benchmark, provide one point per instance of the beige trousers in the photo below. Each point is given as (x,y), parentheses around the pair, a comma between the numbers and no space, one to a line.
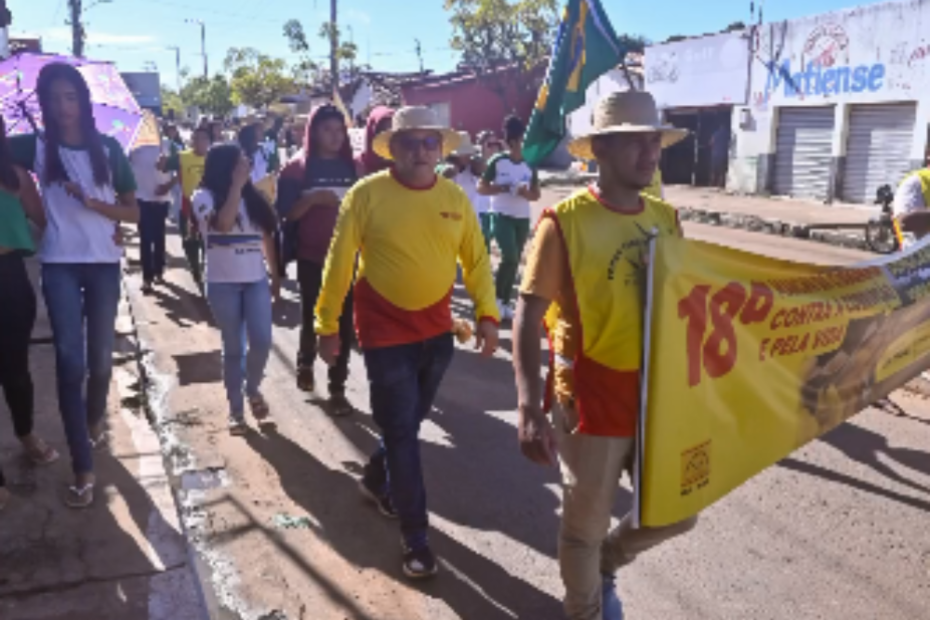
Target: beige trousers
(591,471)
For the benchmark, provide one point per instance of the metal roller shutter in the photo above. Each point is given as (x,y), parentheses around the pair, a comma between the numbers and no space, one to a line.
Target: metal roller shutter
(802,152)
(877,149)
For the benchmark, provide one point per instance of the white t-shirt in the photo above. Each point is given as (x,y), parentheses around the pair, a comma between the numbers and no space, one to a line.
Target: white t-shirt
(144,160)
(259,166)
(469,184)
(907,199)
(504,171)
(233,257)
(75,234)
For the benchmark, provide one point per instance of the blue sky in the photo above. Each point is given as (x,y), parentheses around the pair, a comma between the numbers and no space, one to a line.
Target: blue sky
(133,32)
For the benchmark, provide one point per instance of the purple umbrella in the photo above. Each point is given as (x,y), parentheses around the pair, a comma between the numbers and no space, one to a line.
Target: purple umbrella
(115,109)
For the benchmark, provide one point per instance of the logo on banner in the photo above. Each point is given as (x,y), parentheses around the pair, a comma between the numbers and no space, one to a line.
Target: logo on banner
(695,468)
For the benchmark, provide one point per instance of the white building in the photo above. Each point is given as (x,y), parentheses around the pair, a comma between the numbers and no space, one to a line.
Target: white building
(697,82)
(839,103)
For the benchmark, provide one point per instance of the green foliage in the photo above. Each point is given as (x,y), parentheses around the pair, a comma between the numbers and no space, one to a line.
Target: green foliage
(492,34)
(213,95)
(257,80)
(171,100)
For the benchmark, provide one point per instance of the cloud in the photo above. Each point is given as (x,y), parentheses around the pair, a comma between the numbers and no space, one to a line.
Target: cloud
(97,37)
(358,16)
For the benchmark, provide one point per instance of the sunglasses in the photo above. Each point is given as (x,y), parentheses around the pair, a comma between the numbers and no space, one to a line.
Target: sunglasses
(430,143)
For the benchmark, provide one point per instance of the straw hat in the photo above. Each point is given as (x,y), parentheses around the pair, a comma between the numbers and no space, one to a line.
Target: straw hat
(465,147)
(627,112)
(413,118)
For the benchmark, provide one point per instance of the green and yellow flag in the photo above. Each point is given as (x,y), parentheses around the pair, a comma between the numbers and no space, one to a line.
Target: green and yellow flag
(585,48)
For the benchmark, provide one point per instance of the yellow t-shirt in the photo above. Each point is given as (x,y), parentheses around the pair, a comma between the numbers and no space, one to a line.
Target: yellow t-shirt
(547,275)
(190,166)
(408,241)
(655,188)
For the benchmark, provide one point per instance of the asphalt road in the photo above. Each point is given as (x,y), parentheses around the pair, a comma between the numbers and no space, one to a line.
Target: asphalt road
(838,530)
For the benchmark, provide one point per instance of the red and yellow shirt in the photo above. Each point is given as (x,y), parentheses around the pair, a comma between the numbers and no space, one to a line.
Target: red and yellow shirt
(408,241)
(589,261)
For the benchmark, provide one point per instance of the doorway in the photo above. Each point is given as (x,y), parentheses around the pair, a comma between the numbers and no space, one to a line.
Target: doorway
(692,161)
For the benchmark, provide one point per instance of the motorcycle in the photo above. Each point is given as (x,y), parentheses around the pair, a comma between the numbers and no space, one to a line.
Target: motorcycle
(880,233)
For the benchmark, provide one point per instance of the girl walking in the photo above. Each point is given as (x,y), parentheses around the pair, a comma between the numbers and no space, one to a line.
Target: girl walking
(19,202)
(238,224)
(512,184)
(87,189)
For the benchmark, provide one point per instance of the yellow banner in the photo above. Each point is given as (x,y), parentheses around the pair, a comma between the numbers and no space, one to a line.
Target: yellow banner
(750,358)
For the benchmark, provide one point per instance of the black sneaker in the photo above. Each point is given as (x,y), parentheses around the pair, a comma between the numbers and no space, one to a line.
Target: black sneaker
(420,563)
(379,499)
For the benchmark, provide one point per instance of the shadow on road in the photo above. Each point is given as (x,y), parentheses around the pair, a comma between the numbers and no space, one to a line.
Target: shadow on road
(472,585)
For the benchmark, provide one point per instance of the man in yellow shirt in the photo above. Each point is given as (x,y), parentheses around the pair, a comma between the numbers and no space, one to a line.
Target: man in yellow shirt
(585,280)
(189,168)
(409,228)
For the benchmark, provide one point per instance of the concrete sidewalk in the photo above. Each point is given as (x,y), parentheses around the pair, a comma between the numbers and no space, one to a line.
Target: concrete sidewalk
(125,558)
(766,214)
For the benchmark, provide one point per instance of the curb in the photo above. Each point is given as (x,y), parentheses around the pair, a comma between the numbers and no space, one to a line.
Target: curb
(774,226)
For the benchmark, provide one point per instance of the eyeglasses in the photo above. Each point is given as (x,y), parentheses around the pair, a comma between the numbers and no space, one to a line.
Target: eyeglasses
(430,143)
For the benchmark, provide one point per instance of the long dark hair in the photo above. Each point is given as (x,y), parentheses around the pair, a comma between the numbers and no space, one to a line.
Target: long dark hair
(8,176)
(54,168)
(217,179)
(249,140)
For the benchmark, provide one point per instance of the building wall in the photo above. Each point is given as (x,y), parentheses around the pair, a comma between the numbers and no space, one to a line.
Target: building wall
(472,106)
(878,53)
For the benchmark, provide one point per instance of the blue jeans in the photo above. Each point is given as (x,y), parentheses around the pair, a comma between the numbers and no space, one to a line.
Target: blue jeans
(403,381)
(242,311)
(82,297)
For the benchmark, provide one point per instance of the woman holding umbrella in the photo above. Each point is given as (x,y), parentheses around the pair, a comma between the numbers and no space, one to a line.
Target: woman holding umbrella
(87,189)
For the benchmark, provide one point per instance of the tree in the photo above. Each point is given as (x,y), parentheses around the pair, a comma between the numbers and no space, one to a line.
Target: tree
(212,95)
(257,80)
(171,101)
(306,70)
(633,43)
(503,41)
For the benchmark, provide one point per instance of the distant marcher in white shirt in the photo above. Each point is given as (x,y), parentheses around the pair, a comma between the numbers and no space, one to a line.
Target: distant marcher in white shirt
(154,197)
(512,184)
(912,207)
(465,169)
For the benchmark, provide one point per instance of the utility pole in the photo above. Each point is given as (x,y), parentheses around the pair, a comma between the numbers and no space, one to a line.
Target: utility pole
(177,64)
(334,48)
(203,43)
(419,54)
(77,28)
(6,18)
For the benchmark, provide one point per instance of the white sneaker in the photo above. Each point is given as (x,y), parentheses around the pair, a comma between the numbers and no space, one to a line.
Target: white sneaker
(505,311)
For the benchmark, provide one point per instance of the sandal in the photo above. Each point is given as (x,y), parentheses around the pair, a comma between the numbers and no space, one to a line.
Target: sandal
(260,409)
(237,427)
(339,405)
(80,498)
(100,442)
(40,453)
(305,379)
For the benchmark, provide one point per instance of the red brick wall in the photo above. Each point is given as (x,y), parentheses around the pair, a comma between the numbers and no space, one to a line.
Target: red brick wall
(473,107)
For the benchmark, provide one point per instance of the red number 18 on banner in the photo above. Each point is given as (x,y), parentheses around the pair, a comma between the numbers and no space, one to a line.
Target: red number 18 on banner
(716,353)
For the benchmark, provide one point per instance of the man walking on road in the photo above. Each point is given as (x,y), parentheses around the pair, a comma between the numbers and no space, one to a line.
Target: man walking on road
(584,279)
(189,166)
(410,227)
(912,206)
